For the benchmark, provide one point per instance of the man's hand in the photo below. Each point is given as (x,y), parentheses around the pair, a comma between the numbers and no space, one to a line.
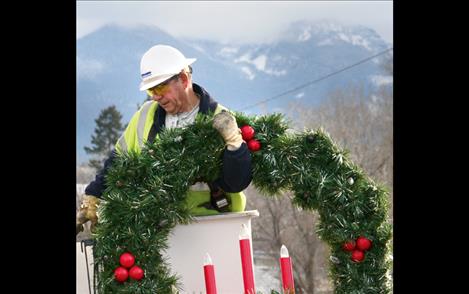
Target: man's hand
(87,212)
(225,123)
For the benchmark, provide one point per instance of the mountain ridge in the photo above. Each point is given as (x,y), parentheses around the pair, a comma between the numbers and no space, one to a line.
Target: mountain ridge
(108,68)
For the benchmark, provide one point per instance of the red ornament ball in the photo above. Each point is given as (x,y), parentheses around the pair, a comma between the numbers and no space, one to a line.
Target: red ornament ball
(254,145)
(121,274)
(247,132)
(127,260)
(358,256)
(136,273)
(349,246)
(363,243)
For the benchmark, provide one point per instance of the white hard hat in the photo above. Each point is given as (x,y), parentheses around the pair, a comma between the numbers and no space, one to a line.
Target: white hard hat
(160,63)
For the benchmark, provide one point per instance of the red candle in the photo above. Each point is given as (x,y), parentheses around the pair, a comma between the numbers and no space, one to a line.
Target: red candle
(209,273)
(288,285)
(246,261)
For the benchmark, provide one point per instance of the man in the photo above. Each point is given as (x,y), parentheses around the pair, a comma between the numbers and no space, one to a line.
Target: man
(167,77)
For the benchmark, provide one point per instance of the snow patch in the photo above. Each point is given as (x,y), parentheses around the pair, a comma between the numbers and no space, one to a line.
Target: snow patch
(381,80)
(328,26)
(248,72)
(88,68)
(356,40)
(305,35)
(276,73)
(244,58)
(343,37)
(228,51)
(259,63)
(360,41)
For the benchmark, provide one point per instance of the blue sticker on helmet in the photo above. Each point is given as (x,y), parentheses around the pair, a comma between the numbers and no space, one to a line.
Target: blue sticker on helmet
(146,74)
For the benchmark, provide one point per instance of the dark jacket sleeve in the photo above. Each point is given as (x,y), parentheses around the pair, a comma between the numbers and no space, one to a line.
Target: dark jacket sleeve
(237,171)
(96,187)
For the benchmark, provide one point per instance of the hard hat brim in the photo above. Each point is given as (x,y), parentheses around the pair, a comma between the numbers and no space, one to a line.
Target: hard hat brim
(190,60)
(151,82)
(147,84)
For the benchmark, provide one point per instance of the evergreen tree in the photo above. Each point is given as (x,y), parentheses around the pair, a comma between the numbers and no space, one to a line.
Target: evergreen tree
(107,132)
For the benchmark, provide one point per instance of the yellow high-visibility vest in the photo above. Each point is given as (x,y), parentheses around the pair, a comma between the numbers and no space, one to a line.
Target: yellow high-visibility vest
(134,138)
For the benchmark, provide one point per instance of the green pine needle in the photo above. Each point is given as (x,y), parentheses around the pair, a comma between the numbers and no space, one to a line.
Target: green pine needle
(144,200)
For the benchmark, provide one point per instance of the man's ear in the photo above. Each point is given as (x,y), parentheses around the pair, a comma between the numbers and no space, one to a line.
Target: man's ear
(185,79)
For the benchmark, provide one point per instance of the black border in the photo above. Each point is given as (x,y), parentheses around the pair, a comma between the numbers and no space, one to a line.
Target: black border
(40,141)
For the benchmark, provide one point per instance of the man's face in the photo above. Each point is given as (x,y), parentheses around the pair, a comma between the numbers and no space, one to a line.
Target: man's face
(169,95)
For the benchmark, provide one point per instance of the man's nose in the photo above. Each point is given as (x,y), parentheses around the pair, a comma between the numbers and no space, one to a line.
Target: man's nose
(157,97)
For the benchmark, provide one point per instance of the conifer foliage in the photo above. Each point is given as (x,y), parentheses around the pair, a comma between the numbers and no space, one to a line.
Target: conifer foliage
(107,131)
(145,197)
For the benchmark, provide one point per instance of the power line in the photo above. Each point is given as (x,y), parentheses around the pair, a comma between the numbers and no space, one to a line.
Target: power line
(318,80)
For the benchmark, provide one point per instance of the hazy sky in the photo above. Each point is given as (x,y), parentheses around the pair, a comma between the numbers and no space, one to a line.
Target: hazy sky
(232,21)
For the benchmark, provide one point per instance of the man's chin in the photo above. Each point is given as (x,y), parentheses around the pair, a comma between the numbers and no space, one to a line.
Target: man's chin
(170,110)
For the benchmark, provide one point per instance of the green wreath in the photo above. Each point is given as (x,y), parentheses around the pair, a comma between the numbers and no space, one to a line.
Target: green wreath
(144,201)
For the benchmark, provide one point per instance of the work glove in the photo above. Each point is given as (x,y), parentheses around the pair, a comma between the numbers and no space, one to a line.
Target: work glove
(225,123)
(87,212)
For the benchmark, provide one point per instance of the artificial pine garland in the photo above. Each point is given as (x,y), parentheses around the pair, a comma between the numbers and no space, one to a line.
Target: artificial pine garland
(144,201)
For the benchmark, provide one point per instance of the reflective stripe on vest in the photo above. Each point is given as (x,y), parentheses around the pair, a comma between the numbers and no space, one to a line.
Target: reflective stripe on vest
(122,144)
(141,122)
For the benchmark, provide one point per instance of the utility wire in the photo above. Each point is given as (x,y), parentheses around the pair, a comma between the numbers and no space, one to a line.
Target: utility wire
(318,80)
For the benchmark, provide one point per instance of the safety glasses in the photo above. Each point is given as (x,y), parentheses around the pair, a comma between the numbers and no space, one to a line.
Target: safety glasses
(161,89)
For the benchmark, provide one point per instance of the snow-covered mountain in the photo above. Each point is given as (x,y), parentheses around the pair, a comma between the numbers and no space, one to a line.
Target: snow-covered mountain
(108,62)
